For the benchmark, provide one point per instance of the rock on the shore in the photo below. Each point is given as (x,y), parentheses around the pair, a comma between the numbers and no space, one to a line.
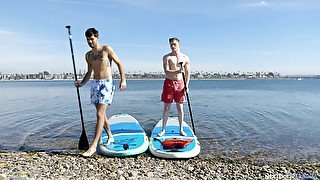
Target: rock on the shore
(45,165)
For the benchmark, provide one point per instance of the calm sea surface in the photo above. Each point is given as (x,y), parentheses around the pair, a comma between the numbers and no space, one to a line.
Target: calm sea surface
(263,119)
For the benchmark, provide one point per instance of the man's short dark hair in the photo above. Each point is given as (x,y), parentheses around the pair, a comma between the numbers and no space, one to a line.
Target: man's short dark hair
(172,39)
(92,31)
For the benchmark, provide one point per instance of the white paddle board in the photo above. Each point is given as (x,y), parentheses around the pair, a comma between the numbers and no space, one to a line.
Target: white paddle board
(172,145)
(130,138)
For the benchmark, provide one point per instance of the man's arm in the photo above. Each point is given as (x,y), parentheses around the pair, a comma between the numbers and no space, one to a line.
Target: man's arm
(87,76)
(117,60)
(187,71)
(167,69)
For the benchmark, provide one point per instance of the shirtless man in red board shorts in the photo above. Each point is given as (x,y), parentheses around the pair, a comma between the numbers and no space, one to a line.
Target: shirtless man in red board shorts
(173,86)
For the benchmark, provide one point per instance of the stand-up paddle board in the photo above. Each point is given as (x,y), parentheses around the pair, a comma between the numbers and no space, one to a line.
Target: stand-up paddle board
(172,144)
(130,138)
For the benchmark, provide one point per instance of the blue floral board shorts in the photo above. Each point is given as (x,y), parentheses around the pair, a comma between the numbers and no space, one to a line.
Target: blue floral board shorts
(102,91)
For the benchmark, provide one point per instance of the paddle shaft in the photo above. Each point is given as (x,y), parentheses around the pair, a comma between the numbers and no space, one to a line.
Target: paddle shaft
(188,100)
(83,135)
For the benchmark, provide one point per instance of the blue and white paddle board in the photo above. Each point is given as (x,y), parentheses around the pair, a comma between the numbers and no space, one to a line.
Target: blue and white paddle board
(173,134)
(130,138)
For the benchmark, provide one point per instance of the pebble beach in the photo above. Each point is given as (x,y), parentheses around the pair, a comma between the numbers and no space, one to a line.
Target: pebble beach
(70,165)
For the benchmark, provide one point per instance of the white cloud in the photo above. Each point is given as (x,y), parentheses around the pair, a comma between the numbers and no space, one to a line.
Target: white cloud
(4,32)
(140,45)
(139,3)
(263,3)
(258,4)
(81,3)
(315,41)
(292,4)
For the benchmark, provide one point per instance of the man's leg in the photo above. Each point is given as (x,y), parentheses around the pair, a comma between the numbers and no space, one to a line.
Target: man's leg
(180,117)
(166,109)
(107,128)
(101,109)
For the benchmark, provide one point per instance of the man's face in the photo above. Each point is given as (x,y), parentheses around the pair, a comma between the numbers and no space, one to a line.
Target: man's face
(92,41)
(174,45)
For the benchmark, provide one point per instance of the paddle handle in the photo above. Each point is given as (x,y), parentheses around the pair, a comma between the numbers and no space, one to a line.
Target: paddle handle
(75,74)
(188,100)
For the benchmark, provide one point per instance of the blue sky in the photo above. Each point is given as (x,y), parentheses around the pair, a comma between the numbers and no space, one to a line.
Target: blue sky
(218,35)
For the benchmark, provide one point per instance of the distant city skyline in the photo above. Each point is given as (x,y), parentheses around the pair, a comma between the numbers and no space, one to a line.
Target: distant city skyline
(79,71)
(158,75)
(45,75)
(219,36)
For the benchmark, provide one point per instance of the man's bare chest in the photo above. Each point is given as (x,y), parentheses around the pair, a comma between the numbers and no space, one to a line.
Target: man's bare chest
(99,58)
(175,61)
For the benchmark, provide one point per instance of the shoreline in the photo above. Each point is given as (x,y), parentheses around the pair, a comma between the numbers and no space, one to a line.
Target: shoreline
(158,79)
(70,165)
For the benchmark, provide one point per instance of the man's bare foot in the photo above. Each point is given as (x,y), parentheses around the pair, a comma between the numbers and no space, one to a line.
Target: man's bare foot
(162,133)
(89,152)
(182,133)
(110,140)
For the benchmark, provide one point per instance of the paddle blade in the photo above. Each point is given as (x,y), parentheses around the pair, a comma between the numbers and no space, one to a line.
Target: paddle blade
(83,142)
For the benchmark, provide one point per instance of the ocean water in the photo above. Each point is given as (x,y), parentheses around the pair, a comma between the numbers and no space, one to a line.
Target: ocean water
(268,120)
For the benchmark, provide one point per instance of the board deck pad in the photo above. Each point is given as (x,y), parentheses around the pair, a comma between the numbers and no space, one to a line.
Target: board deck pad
(173,133)
(130,138)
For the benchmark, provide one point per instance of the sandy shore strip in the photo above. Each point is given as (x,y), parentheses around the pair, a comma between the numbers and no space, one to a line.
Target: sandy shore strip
(69,165)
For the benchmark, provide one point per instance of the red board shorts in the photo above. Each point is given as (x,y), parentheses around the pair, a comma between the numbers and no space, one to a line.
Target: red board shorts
(173,90)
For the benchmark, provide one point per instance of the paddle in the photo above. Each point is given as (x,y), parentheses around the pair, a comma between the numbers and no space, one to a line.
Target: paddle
(83,142)
(185,87)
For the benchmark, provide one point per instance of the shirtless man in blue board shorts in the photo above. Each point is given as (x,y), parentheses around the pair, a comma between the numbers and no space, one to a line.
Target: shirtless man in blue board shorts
(102,89)
(173,86)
